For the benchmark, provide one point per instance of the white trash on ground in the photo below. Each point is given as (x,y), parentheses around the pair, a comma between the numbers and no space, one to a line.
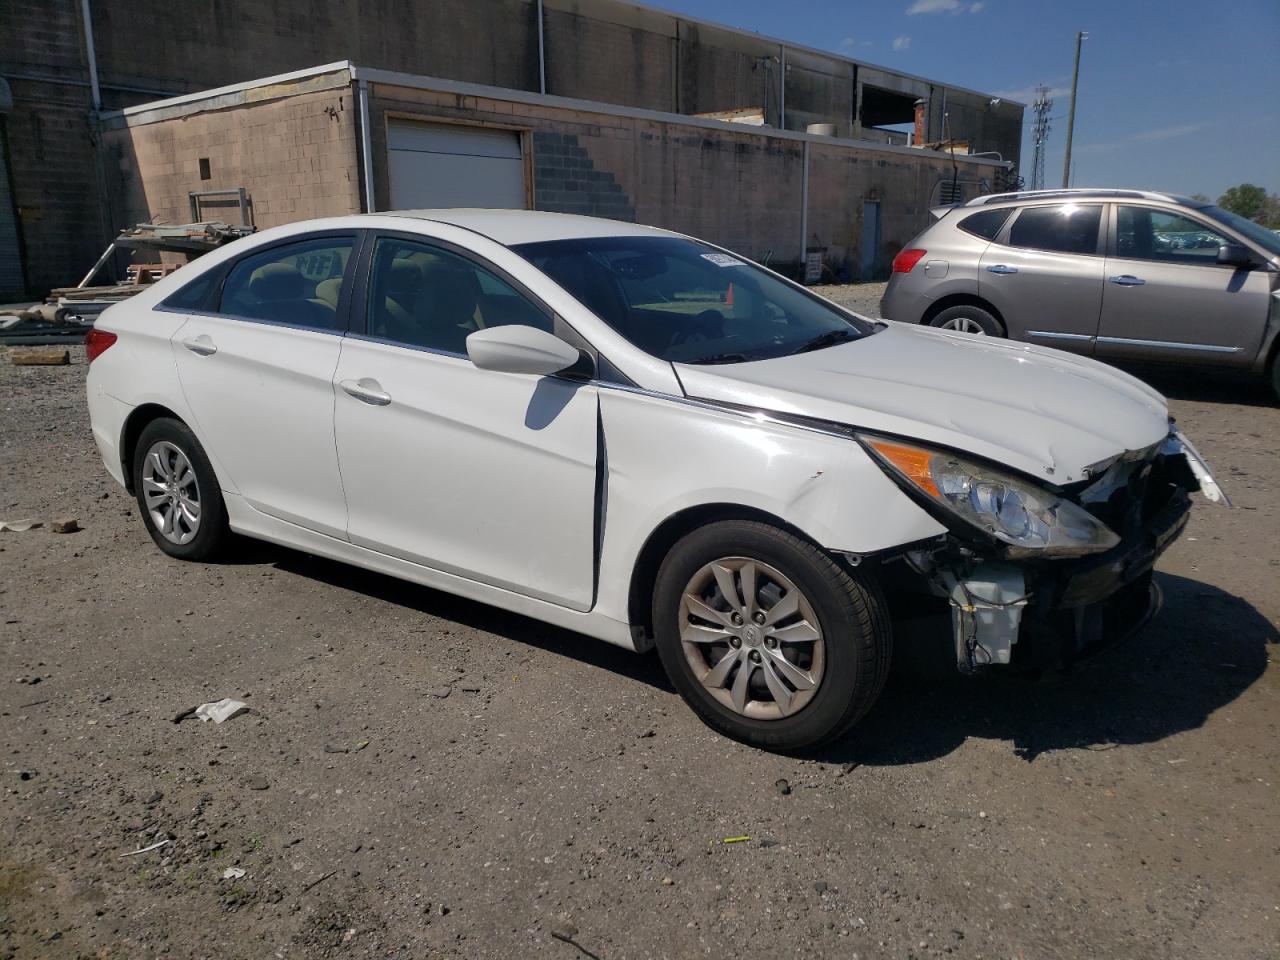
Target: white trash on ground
(221,710)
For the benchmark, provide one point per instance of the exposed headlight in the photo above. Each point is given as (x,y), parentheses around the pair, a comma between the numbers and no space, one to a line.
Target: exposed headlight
(1029,519)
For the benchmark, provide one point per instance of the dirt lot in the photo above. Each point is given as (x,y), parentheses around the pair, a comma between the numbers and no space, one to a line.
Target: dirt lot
(1125,810)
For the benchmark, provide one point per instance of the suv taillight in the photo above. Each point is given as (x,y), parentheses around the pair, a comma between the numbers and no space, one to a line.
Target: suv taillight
(96,342)
(907,259)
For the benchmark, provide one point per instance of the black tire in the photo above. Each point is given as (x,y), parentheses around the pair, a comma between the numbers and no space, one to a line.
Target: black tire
(851,613)
(213,536)
(983,318)
(1275,375)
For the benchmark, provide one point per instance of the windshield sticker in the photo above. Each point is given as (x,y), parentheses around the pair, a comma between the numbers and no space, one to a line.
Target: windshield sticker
(722,259)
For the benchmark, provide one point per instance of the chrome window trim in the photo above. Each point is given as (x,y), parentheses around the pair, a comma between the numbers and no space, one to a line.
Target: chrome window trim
(214,315)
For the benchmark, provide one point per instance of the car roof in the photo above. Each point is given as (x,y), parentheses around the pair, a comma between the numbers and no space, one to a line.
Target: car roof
(1080,193)
(513,227)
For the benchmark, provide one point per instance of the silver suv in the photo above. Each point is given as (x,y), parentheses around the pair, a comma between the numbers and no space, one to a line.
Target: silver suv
(1114,274)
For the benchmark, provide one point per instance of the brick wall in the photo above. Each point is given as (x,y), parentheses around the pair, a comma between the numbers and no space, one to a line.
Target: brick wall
(297,158)
(740,190)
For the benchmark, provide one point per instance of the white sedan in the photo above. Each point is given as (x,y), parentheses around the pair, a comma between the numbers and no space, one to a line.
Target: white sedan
(647,439)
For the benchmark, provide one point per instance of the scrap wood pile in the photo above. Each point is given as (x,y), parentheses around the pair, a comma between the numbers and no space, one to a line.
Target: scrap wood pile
(68,311)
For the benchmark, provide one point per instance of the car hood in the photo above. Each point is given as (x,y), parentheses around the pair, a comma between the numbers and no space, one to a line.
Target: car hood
(1044,412)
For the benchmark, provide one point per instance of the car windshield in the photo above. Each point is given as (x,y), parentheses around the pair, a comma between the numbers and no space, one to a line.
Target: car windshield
(1267,239)
(686,302)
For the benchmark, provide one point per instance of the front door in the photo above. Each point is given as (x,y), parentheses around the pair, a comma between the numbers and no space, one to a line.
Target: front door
(1168,299)
(1043,273)
(490,476)
(257,373)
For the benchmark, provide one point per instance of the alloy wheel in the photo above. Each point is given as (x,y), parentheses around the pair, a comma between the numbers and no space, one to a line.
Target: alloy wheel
(964,325)
(171,492)
(752,638)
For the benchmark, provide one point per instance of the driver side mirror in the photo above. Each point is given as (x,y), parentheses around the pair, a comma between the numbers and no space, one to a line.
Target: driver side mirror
(1234,255)
(520,349)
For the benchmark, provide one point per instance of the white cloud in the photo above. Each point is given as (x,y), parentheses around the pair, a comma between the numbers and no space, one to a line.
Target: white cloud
(1168,133)
(977,7)
(901,43)
(934,6)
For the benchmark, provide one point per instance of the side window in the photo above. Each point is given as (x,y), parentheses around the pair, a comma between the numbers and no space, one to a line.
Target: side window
(425,296)
(986,224)
(1065,228)
(195,295)
(1145,233)
(298,283)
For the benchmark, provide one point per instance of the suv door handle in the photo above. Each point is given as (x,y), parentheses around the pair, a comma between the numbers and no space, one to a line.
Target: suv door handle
(1127,280)
(1001,268)
(201,345)
(367,390)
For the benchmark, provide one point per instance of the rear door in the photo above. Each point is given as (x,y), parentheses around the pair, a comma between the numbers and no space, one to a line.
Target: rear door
(1044,273)
(1168,299)
(257,372)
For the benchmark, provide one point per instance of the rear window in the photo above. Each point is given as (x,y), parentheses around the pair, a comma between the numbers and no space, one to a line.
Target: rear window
(986,224)
(1062,228)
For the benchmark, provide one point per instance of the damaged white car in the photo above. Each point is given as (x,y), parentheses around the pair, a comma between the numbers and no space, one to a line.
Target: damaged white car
(646,439)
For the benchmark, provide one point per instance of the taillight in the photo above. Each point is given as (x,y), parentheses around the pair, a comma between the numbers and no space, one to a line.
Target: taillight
(96,342)
(907,259)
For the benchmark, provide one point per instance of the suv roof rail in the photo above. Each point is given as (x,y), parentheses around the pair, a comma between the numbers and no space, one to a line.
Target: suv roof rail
(1074,192)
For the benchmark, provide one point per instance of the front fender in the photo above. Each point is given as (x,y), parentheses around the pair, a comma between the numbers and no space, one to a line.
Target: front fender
(665,455)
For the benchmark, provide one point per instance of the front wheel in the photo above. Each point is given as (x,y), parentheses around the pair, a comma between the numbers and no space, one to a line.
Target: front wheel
(767,638)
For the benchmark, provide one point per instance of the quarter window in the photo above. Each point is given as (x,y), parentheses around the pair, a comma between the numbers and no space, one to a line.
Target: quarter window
(297,283)
(195,295)
(985,224)
(1144,233)
(426,296)
(1063,228)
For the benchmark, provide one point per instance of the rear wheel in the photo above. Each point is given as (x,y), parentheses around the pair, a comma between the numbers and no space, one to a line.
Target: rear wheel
(968,319)
(1275,374)
(768,638)
(178,493)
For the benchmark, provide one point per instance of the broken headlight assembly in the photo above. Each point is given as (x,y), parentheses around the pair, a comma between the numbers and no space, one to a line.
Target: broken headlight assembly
(1028,519)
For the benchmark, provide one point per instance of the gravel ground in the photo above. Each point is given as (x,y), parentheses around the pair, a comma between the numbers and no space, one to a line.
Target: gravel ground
(422,776)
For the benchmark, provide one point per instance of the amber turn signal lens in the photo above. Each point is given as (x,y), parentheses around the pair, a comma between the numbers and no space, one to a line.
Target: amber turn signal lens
(912,463)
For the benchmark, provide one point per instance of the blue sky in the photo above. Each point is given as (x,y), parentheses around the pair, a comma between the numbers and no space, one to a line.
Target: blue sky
(1175,95)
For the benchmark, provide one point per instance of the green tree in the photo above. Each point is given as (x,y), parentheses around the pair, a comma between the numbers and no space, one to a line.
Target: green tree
(1246,199)
(1269,215)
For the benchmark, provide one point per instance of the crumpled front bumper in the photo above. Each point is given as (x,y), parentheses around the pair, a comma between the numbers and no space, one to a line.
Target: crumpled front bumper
(1102,600)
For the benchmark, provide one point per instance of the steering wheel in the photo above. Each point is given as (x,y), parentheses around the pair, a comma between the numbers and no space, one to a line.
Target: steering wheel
(704,326)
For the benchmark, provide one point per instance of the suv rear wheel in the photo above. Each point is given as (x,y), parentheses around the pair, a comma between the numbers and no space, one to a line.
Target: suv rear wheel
(968,319)
(767,638)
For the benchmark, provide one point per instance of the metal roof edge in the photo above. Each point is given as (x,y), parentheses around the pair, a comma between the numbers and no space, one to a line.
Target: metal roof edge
(462,88)
(200,97)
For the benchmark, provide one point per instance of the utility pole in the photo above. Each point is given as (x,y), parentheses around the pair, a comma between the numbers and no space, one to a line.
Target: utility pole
(1071,114)
(1040,135)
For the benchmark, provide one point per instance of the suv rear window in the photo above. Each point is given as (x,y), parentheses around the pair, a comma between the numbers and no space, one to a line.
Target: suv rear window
(1063,228)
(985,224)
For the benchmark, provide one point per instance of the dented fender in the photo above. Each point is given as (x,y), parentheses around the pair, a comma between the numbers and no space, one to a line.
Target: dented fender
(664,455)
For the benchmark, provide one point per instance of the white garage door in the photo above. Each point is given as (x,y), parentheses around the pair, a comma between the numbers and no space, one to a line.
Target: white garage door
(446,165)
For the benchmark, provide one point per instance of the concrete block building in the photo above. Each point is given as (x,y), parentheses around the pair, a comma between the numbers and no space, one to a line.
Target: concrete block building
(120,113)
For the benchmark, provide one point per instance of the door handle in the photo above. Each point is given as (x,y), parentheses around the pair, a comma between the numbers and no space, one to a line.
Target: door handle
(201,345)
(1001,268)
(1127,280)
(367,390)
